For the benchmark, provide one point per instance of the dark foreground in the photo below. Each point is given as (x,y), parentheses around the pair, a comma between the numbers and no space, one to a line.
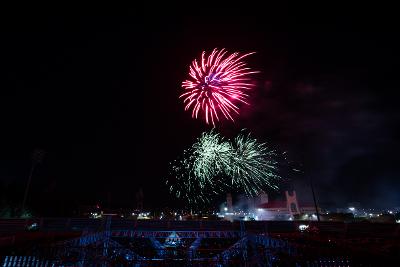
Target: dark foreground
(122,242)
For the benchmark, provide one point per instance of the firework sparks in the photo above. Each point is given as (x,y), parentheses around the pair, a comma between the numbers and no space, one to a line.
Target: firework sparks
(194,174)
(213,164)
(253,166)
(211,157)
(217,84)
(184,184)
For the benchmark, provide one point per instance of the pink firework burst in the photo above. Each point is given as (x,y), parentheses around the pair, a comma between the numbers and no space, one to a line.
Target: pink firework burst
(217,84)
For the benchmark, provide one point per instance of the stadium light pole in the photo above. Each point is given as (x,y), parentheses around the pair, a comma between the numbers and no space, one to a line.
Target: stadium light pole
(37,157)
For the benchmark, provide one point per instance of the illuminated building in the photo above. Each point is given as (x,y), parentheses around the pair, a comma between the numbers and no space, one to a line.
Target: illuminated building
(283,210)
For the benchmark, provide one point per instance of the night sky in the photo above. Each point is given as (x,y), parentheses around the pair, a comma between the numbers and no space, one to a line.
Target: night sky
(97,89)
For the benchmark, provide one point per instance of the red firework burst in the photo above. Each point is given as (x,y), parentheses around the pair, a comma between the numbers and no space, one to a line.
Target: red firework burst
(217,85)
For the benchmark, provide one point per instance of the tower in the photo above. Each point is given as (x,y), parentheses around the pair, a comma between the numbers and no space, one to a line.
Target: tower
(139,199)
(291,202)
(229,202)
(262,197)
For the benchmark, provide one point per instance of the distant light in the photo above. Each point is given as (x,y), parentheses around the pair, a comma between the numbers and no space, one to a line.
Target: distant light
(390,212)
(225,209)
(128,257)
(397,221)
(259,210)
(303,227)
(95,215)
(352,208)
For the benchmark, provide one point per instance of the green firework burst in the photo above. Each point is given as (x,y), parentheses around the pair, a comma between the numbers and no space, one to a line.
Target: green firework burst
(213,164)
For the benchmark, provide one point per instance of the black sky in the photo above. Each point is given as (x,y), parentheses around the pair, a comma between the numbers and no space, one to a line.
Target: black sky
(98,90)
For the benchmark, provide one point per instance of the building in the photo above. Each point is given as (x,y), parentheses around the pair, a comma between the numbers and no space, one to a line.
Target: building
(287,209)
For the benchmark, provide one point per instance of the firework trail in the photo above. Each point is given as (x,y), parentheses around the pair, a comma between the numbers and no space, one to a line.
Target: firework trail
(217,84)
(214,164)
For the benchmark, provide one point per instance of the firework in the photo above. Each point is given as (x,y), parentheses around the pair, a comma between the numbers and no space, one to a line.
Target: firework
(217,85)
(193,175)
(214,164)
(182,181)
(253,166)
(211,157)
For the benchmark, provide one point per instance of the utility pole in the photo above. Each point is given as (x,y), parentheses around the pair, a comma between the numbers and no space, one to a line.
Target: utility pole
(315,200)
(37,157)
